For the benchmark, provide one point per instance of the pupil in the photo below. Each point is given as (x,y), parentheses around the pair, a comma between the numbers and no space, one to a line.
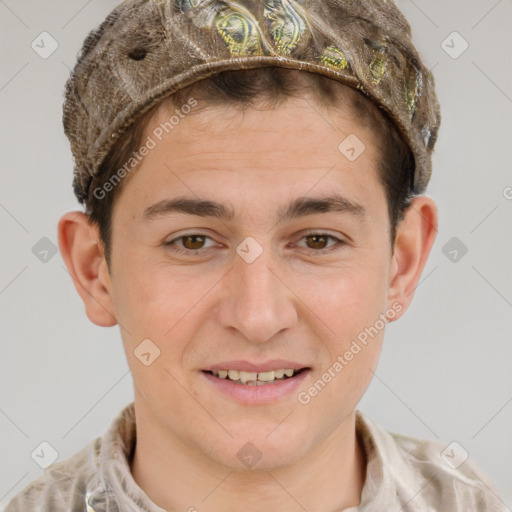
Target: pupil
(194,237)
(321,237)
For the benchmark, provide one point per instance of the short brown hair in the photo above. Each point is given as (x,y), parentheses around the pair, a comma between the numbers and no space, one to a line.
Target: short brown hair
(269,85)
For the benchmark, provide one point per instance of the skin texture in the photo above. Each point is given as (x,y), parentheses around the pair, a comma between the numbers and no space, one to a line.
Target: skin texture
(291,302)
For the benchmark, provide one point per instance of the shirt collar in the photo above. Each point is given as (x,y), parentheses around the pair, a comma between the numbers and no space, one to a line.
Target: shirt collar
(117,490)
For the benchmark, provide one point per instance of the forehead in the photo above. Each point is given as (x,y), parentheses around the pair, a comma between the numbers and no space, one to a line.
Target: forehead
(295,147)
(303,125)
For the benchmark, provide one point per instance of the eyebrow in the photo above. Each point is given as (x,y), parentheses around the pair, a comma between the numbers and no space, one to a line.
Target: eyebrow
(300,207)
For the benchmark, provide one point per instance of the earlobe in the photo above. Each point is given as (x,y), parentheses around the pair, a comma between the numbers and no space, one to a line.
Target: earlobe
(82,252)
(414,240)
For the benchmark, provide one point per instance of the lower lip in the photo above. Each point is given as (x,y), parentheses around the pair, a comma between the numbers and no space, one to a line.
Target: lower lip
(258,394)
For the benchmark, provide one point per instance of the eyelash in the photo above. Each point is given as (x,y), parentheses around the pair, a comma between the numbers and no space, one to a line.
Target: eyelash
(335,247)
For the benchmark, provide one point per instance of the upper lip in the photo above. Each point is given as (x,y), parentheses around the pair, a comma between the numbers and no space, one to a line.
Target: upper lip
(264,366)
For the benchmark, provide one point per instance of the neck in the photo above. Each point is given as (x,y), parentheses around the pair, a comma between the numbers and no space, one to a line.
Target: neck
(175,476)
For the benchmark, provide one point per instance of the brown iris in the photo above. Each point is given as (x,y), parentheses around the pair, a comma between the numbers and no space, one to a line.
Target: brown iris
(322,238)
(194,239)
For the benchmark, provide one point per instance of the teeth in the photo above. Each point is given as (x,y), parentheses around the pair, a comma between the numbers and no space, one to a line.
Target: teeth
(252,378)
(245,377)
(233,374)
(266,376)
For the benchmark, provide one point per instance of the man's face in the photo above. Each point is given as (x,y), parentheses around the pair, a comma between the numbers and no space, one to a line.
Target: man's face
(253,287)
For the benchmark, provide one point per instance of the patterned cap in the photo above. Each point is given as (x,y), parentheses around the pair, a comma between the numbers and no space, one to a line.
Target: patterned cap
(147,49)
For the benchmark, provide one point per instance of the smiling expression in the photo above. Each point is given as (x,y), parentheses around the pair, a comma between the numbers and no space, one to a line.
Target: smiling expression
(250,240)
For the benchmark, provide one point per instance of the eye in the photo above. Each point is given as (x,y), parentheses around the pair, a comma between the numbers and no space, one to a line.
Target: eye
(191,242)
(317,242)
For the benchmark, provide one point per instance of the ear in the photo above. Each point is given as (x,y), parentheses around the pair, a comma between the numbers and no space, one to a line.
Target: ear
(414,239)
(83,253)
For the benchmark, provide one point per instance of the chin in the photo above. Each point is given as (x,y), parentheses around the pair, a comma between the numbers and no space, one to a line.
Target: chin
(253,449)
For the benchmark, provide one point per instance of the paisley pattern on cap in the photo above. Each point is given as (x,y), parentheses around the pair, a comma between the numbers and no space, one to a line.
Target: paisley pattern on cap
(378,68)
(412,84)
(379,64)
(240,34)
(334,58)
(287,25)
(185,5)
(236,25)
(147,49)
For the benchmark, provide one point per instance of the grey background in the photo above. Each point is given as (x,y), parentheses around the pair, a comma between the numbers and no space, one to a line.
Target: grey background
(445,372)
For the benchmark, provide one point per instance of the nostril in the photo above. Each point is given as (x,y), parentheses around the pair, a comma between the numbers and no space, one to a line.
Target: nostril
(138,54)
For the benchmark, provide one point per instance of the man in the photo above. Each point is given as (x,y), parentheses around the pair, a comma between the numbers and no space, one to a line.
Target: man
(253,175)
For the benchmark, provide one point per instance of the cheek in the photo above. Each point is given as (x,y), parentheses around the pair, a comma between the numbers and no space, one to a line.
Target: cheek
(347,299)
(348,307)
(145,301)
(154,300)
(154,305)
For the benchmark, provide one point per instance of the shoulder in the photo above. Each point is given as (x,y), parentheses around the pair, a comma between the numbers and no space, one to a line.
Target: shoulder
(62,487)
(450,473)
(432,475)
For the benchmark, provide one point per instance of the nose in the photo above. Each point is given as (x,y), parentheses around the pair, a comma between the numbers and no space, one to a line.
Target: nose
(259,303)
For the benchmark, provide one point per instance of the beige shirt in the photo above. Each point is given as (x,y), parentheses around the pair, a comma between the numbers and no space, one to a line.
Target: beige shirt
(403,474)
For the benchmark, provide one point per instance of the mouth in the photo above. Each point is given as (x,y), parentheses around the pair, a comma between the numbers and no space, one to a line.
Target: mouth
(263,378)
(260,386)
